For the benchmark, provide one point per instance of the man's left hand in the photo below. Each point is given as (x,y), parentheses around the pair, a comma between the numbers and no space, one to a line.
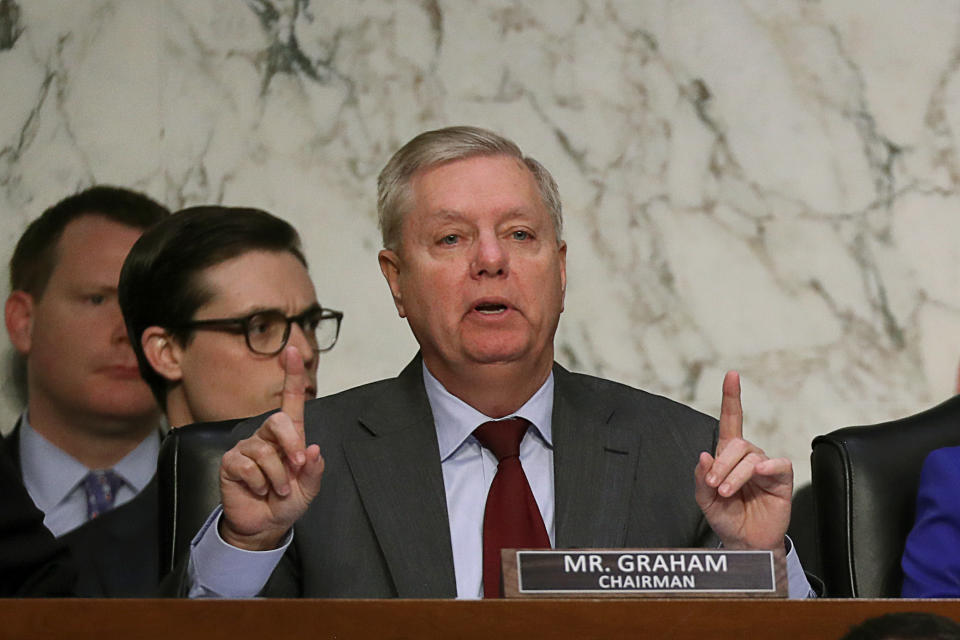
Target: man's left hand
(744,495)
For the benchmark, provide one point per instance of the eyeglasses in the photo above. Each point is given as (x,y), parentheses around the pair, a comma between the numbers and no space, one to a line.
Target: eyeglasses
(268,331)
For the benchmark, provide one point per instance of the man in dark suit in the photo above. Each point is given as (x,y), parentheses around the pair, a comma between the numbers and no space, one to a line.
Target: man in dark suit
(32,561)
(395,507)
(88,439)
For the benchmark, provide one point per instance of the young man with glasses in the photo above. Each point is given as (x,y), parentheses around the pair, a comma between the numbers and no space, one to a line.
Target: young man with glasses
(211,298)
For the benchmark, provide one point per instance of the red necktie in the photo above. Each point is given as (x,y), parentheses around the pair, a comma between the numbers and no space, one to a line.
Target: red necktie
(511,519)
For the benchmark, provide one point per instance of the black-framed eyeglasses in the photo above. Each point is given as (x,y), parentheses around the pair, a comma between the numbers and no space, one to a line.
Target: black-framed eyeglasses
(268,331)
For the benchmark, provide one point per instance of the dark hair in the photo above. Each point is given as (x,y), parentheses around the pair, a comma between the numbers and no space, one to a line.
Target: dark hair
(907,625)
(160,283)
(35,255)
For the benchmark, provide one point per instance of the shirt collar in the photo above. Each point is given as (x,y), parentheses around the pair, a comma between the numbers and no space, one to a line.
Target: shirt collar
(56,473)
(455,420)
(138,466)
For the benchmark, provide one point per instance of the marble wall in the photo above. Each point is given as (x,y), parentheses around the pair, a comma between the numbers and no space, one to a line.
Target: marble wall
(767,186)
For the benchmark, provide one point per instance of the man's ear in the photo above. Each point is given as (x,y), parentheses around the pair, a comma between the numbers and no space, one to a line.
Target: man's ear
(390,266)
(563,272)
(18,314)
(162,352)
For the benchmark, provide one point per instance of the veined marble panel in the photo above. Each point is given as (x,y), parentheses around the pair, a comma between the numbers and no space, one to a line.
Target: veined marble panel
(771,187)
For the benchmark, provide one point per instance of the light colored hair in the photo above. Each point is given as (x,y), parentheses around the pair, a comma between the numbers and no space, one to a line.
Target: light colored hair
(433,148)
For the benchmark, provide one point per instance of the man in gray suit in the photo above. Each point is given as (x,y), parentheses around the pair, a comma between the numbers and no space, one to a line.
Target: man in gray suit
(475,262)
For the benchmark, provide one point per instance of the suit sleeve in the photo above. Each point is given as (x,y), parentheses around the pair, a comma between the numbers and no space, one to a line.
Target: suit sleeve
(931,561)
(32,561)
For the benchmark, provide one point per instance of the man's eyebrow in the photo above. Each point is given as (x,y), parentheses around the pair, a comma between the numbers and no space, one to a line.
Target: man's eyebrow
(448,214)
(98,288)
(257,309)
(315,306)
(518,212)
(453,214)
(249,311)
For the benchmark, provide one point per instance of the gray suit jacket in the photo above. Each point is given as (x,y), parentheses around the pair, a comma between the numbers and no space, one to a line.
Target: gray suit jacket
(623,477)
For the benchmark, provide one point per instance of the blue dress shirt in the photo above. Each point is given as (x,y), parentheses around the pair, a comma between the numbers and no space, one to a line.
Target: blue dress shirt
(217,569)
(53,478)
(468,470)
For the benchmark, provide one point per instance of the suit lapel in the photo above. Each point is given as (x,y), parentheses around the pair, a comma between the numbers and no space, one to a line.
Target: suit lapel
(398,475)
(594,466)
(12,447)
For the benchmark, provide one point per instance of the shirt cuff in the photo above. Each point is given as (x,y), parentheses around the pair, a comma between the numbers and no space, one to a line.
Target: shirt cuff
(220,570)
(798,585)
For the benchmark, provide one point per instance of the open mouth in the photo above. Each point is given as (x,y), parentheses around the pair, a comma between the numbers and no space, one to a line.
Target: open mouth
(490,308)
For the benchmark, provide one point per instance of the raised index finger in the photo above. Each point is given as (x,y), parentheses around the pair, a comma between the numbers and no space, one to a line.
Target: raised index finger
(294,388)
(731,412)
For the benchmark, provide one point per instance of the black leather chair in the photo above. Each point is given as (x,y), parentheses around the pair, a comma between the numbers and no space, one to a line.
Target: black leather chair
(865,484)
(188,472)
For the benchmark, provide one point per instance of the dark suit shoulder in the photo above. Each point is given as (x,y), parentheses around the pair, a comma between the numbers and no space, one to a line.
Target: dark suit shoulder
(376,408)
(353,397)
(348,399)
(11,444)
(634,408)
(32,561)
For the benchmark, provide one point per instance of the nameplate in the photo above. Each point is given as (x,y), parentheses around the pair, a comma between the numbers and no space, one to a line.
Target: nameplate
(682,573)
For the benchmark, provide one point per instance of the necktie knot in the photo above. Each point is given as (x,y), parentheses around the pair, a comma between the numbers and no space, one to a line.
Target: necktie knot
(502,437)
(101,486)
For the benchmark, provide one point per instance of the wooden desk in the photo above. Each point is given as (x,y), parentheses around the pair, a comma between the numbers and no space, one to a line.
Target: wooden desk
(486,620)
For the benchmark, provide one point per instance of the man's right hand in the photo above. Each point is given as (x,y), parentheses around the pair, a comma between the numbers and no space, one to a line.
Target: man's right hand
(268,480)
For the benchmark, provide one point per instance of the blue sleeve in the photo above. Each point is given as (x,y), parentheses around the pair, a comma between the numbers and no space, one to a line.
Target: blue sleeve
(931,558)
(218,570)
(797,584)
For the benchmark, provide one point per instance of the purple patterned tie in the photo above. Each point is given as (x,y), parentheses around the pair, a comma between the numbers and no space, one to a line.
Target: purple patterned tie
(101,487)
